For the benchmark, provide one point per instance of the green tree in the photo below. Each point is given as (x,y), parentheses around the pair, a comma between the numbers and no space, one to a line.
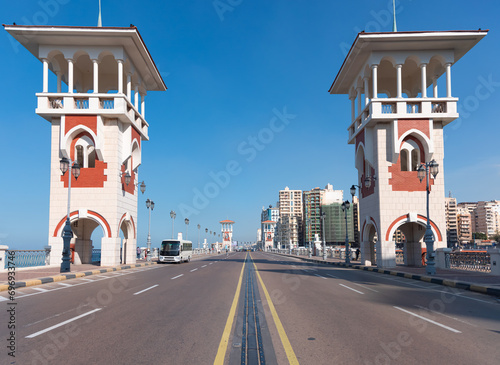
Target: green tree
(480,236)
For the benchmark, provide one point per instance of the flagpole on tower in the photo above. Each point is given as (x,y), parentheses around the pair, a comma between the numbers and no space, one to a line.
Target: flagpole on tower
(394,27)
(99,20)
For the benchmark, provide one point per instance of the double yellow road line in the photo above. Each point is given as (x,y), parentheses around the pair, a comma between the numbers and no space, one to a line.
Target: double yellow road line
(219,359)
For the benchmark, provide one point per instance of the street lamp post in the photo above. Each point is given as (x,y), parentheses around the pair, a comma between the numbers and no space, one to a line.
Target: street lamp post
(187,225)
(309,235)
(74,169)
(206,239)
(345,208)
(172,215)
(198,236)
(150,205)
(323,215)
(423,172)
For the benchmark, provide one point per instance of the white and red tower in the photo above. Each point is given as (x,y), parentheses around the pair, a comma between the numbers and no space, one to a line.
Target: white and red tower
(98,120)
(396,125)
(268,230)
(227,234)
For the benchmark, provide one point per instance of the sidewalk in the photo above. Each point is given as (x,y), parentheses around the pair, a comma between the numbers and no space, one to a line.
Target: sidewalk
(469,280)
(42,274)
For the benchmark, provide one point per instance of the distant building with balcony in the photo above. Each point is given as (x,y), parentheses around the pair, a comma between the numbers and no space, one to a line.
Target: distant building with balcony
(312,214)
(451,221)
(488,217)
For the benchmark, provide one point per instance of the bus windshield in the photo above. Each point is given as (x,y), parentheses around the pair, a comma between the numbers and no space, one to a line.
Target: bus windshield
(170,248)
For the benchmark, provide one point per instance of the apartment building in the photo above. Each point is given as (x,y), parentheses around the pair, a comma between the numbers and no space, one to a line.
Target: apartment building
(488,217)
(464,223)
(312,214)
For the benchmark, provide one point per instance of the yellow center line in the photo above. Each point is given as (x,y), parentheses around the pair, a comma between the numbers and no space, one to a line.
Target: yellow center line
(292,359)
(221,353)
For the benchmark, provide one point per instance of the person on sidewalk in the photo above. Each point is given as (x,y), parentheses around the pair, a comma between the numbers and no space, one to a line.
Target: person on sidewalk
(138,252)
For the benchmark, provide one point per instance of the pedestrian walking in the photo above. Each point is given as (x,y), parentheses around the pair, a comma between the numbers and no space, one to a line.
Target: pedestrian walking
(138,252)
(357,253)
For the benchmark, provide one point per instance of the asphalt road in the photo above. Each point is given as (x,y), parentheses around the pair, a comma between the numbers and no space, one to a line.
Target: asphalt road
(177,314)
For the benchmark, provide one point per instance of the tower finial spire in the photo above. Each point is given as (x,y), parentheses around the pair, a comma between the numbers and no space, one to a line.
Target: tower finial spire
(394,27)
(99,20)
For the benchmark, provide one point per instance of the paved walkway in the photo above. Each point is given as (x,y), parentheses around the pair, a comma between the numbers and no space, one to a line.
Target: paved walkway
(469,280)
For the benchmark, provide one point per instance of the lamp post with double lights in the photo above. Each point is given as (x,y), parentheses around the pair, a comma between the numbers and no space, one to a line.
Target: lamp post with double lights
(345,208)
(423,172)
(74,169)
(150,205)
(172,215)
(323,216)
(187,225)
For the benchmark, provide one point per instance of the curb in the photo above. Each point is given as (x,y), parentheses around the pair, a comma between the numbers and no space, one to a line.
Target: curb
(445,282)
(62,277)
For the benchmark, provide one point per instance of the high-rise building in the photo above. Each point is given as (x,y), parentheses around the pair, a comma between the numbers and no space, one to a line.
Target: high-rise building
(290,209)
(335,224)
(312,214)
(451,221)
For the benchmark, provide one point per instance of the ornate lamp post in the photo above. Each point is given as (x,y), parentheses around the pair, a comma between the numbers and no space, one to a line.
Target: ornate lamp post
(345,208)
(74,169)
(187,225)
(423,172)
(150,205)
(323,216)
(172,215)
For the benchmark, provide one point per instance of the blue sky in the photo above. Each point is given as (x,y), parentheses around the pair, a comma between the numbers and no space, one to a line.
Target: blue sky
(232,67)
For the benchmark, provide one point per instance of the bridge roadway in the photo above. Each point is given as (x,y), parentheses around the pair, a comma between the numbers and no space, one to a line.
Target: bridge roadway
(313,314)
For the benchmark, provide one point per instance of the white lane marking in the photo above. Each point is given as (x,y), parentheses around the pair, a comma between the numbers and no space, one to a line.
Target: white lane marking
(87,279)
(444,315)
(2,299)
(205,265)
(332,276)
(367,288)
(319,276)
(194,270)
(429,320)
(65,284)
(62,323)
(142,291)
(434,288)
(102,276)
(348,287)
(178,276)
(40,289)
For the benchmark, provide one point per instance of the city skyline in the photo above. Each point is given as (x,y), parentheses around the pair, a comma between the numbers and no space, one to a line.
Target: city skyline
(246,112)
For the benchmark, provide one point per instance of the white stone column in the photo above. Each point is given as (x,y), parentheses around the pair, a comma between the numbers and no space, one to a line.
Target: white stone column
(59,80)
(367,97)
(136,96)
(129,87)
(143,105)
(358,96)
(70,76)
(434,87)
(374,81)
(423,77)
(96,76)
(353,108)
(45,88)
(495,261)
(399,81)
(120,76)
(448,80)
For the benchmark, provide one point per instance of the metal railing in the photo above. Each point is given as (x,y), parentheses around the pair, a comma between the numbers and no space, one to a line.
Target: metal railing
(96,255)
(27,258)
(472,261)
